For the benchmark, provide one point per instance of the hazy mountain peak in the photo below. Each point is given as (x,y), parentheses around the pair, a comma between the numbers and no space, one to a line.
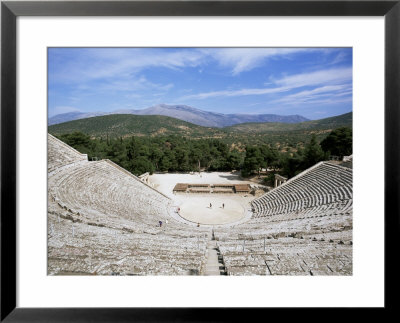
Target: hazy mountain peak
(186,113)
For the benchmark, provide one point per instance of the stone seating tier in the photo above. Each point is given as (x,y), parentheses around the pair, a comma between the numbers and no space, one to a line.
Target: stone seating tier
(60,154)
(322,184)
(287,256)
(100,188)
(96,250)
(303,227)
(104,221)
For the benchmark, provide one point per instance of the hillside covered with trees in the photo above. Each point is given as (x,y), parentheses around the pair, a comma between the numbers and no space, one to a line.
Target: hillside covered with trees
(140,154)
(128,125)
(282,136)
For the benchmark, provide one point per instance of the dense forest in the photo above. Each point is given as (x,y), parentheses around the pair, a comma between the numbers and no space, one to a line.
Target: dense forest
(173,153)
(284,137)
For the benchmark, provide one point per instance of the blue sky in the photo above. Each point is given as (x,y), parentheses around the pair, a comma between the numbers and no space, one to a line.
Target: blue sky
(312,82)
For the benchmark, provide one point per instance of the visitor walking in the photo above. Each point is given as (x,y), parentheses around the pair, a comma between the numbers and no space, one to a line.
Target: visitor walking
(160,222)
(210,206)
(223,205)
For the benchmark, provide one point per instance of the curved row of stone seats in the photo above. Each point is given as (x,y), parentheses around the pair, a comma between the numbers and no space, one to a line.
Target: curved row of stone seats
(100,188)
(305,227)
(317,180)
(99,193)
(287,256)
(60,154)
(299,211)
(321,184)
(123,246)
(103,220)
(77,248)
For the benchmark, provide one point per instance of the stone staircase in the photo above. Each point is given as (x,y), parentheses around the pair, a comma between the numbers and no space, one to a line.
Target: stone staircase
(214,265)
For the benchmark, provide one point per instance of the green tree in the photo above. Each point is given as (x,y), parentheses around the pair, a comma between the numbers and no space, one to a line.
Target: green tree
(165,163)
(293,165)
(253,161)
(156,155)
(270,156)
(76,139)
(141,165)
(195,157)
(234,160)
(339,142)
(182,159)
(116,152)
(313,153)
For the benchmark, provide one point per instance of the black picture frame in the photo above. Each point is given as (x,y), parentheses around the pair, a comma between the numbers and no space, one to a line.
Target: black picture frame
(10,10)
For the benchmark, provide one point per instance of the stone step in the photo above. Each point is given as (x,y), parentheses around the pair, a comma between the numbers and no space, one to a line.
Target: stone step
(214,264)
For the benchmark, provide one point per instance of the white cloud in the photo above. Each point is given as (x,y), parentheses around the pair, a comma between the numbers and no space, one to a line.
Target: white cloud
(324,91)
(136,84)
(90,64)
(331,76)
(328,80)
(87,73)
(245,59)
(339,58)
(230,93)
(81,65)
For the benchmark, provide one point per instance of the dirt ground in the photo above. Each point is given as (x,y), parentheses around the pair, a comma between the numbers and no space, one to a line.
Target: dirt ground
(195,207)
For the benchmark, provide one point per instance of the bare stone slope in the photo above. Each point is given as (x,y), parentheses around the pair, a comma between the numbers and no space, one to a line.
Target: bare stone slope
(303,227)
(102,220)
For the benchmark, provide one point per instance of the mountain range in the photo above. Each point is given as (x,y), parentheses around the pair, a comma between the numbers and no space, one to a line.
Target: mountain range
(343,120)
(127,125)
(186,113)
